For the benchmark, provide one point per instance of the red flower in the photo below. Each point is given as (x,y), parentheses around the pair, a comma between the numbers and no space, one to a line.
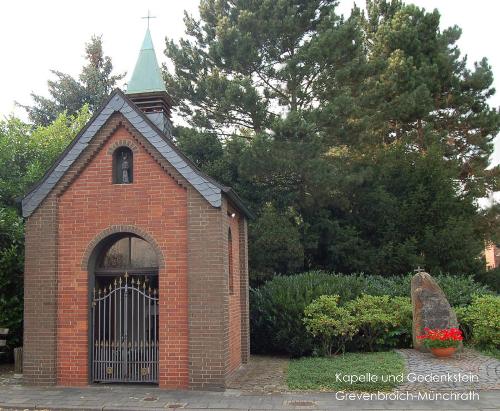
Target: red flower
(447,334)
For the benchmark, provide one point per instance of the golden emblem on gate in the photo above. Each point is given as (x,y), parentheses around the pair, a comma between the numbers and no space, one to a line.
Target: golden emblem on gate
(109,370)
(145,371)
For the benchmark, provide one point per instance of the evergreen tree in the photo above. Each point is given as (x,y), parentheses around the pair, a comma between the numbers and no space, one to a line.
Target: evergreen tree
(401,209)
(243,64)
(25,155)
(279,235)
(93,85)
(369,134)
(415,87)
(203,148)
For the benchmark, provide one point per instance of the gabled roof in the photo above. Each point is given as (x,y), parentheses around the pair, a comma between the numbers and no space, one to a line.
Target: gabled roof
(119,102)
(147,74)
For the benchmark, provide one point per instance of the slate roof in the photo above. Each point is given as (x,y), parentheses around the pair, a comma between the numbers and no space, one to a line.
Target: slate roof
(210,189)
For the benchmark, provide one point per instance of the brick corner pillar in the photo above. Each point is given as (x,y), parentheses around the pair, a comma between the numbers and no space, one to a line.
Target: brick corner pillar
(244,290)
(40,299)
(207,299)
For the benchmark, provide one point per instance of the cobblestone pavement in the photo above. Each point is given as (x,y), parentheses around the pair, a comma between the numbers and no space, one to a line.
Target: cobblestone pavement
(262,374)
(485,371)
(133,397)
(8,376)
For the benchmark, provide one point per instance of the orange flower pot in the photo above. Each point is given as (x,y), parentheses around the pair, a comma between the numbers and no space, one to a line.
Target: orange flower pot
(443,352)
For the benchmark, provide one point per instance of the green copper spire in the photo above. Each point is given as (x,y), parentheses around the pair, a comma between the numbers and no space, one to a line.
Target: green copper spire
(147,74)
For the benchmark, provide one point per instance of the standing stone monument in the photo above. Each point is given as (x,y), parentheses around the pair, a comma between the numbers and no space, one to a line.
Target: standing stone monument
(430,307)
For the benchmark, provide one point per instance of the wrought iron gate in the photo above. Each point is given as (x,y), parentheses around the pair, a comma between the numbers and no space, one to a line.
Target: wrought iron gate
(125,332)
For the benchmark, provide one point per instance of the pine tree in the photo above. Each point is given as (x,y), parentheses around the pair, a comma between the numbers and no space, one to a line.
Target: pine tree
(244,63)
(417,88)
(369,134)
(93,85)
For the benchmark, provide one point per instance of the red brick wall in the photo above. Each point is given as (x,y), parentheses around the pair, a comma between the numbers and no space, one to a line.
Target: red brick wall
(40,279)
(154,204)
(85,208)
(208,297)
(234,296)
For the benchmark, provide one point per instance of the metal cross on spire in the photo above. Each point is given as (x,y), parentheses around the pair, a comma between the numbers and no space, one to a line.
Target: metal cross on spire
(419,270)
(149,17)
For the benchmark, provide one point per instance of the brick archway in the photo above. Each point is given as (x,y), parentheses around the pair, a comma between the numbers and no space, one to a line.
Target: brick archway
(117,229)
(115,352)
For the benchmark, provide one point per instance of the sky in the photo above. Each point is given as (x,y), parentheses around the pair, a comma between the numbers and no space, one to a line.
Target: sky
(37,36)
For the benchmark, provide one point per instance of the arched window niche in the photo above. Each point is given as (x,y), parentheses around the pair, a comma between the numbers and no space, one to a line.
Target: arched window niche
(126,253)
(123,166)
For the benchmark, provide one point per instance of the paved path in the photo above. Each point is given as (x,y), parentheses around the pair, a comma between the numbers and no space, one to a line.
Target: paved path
(108,398)
(8,376)
(261,386)
(467,370)
(261,375)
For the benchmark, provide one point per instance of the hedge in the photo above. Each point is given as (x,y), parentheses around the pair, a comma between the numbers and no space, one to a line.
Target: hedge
(277,307)
(480,321)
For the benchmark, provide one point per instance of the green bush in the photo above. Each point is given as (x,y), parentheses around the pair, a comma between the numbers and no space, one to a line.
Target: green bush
(373,317)
(391,286)
(459,290)
(384,322)
(330,323)
(400,334)
(277,307)
(491,278)
(375,322)
(482,319)
(462,323)
(11,279)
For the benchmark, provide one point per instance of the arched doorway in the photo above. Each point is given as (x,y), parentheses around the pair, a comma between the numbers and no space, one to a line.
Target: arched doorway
(124,311)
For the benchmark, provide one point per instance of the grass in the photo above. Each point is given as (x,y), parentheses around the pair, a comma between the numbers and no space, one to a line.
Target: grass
(323,373)
(490,352)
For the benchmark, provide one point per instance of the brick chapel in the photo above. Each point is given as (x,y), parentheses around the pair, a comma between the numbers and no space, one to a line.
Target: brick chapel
(136,264)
